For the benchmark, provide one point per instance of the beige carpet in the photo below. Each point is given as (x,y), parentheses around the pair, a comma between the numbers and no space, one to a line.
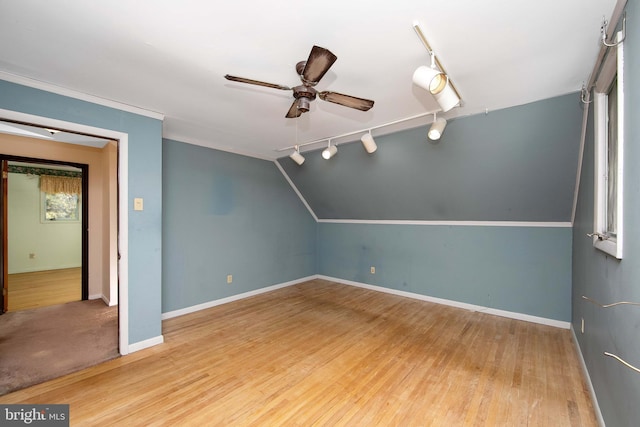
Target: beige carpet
(40,344)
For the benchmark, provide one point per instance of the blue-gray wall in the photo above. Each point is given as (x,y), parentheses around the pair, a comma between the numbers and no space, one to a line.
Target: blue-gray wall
(519,269)
(606,279)
(229,214)
(145,171)
(516,164)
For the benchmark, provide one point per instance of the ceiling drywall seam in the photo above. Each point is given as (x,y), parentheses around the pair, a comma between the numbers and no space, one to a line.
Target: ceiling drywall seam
(36,84)
(313,214)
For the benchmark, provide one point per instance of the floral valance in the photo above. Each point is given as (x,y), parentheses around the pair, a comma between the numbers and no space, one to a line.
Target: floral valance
(60,184)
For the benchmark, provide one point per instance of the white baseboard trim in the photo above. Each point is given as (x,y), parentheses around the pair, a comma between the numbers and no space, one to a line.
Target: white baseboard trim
(104,299)
(209,304)
(472,307)
(141,345)
(592,391)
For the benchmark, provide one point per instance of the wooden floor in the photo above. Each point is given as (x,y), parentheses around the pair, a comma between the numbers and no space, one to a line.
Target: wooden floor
(321,354)
(44,288)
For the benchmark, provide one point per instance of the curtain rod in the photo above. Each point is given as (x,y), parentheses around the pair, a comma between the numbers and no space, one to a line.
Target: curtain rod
(615,18)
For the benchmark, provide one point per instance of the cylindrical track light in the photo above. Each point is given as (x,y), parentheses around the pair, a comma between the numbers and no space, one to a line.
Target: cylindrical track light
(369,144)
(447,97)
(297,157)
(330,151)
(438,85)
(437,127)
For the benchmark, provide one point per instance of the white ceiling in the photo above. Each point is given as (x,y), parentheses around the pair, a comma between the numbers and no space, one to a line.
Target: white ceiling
(170,57)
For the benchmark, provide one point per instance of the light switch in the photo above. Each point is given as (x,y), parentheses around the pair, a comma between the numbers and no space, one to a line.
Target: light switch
(138,204)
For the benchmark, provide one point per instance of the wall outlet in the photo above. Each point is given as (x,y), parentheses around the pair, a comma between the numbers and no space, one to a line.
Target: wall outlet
(229,278)
(373,270)
(582,325)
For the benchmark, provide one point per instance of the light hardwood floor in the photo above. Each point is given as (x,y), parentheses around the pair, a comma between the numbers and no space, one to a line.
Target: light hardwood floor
(321,353)
(44,288)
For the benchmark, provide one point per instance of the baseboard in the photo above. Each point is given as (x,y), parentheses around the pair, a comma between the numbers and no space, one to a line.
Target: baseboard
(141,345)
(472,307)
(592,391)
(45,268)
(209,304)
(466,306)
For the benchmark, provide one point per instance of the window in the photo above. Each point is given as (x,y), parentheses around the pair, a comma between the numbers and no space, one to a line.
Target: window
(609,132)
(60,207)
(61,198)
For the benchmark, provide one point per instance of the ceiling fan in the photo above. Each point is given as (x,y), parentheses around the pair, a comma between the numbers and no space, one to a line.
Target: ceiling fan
(310,72)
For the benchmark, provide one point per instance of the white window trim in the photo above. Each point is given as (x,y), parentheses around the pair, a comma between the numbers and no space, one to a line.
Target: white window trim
(614,64)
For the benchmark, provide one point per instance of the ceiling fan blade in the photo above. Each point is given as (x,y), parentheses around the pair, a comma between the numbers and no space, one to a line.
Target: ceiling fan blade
(255,82)
(294,111)
(346,100)
(318,63)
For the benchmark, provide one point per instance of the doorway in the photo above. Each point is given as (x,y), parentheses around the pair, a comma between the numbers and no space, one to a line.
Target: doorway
(44,210)
(109,252)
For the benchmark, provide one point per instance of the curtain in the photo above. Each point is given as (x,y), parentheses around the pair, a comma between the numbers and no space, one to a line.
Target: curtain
(60,184)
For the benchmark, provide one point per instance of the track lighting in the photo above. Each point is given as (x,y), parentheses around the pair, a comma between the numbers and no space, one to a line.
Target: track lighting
(437,127)
(330,151)
(296,156)
(434,78)
(368,143)
(438,85)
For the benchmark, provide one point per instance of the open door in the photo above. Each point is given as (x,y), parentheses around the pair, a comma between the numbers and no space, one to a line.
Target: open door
(3,232)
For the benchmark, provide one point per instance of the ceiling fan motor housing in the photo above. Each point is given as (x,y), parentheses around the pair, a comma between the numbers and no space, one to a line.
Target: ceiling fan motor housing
(304,95)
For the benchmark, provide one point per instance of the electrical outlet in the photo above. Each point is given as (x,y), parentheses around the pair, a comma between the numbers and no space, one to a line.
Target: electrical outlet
(582,326)
(229,278)
(373,270)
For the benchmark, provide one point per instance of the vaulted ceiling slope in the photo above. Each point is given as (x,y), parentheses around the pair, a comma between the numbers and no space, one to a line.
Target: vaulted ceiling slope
(515,164)
(171,57)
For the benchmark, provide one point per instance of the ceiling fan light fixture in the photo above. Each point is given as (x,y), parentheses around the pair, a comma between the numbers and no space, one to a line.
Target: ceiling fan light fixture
(329,152)
(436,129)
(303,104)
(369,143)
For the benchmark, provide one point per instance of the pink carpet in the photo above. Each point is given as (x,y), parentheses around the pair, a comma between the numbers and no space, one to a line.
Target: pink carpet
(40,344)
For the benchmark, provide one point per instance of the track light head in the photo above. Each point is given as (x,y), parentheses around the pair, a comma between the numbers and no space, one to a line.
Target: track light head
(437,84)
(329,152)
(368,142)
(436,129)
(297,157)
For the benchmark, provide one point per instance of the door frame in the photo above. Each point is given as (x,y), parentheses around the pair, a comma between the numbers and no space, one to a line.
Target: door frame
(120,284)
(4,221)
(84,222)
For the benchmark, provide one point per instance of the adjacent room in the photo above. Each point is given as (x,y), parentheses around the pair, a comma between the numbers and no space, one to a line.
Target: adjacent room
(345,214)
